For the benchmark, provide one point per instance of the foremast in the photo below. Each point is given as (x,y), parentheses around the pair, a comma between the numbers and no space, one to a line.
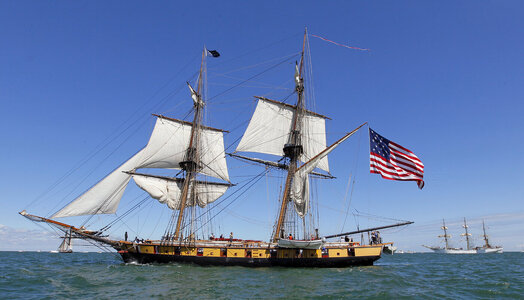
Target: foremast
(445,235)
(174,144)
(293,149)
(191,163)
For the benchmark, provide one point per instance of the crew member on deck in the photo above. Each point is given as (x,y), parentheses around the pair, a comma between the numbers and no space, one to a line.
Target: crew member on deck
(290,236)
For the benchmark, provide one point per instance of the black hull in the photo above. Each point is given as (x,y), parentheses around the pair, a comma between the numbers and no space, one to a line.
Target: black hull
(331,262)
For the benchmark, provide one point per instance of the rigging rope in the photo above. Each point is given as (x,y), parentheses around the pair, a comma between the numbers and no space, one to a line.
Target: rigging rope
(354,180)
(251,182)
(111,137)
(246,80)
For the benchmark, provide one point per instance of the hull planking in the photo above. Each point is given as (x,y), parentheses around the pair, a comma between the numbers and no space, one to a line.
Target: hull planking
(330,257)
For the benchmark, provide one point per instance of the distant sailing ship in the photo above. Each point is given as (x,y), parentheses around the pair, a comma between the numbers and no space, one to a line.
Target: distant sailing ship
(487,248)
(292,132)
(66,246)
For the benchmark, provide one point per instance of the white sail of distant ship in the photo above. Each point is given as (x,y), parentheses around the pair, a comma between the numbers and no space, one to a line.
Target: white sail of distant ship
(450,250)
(66,246)
(487,248)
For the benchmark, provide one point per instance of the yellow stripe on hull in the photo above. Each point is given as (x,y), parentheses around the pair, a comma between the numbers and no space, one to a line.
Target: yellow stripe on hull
(335,251)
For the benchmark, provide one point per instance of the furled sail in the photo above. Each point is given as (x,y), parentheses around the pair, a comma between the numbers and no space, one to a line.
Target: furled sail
(103,197)
(169,141)
(168,191)
(269,129)
(299,191)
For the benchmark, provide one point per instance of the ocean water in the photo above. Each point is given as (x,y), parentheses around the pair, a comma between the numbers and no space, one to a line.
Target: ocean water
(39,275)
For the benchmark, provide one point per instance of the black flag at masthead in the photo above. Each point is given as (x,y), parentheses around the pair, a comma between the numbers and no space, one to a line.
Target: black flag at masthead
(214,53)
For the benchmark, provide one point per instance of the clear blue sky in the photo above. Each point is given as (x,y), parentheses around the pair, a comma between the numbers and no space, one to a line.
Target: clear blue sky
(442,78)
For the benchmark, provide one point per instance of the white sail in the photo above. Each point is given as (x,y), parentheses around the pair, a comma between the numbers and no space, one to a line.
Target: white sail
(168,191)
(270,126)
(170,140)
(103,197)
(166,149)
(299,192)
(66,245)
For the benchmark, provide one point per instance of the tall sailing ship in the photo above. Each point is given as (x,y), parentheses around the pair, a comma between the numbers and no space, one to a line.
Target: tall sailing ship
(451,250)
(487,248)
(292,132)
(67,243)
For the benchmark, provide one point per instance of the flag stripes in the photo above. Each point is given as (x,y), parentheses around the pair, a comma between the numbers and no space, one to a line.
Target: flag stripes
(393,161)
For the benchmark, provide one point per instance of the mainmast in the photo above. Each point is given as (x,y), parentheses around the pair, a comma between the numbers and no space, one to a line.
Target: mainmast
(467,235)
(293,149)
(191,163)
(445,236)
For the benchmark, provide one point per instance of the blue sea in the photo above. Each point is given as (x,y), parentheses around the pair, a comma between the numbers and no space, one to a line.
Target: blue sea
(39,275)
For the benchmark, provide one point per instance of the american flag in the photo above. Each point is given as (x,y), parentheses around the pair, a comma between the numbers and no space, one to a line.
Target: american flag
(393,161)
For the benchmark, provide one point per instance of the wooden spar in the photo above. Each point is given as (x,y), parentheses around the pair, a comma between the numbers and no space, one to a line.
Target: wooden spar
(294,140)
(191,155)
(285,200)
(445,233)
(466,234)
(303,48)
(334,144)
(189,123)
(46,220)
(183,198)
(291,107)
(368,229)
(79,231)
(175,179)
(260,161)
(276,165)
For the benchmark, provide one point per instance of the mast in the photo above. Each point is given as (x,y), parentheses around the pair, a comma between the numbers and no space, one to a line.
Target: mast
(445,236)
(190,164)
(485,235)
(466,234)
(293,149)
